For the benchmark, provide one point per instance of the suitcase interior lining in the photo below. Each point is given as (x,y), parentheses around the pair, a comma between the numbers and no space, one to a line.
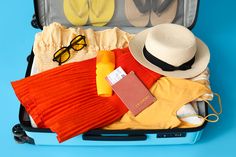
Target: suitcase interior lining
(49,11)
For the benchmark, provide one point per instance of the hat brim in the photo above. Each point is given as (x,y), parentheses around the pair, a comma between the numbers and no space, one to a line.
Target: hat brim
(202,57)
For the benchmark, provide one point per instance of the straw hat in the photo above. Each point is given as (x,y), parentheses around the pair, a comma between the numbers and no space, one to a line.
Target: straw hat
(170,50)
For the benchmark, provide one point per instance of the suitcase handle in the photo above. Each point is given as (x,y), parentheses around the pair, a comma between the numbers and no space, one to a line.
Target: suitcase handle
(112,137)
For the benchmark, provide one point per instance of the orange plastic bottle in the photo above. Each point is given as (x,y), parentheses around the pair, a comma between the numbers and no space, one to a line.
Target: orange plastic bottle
(105,64)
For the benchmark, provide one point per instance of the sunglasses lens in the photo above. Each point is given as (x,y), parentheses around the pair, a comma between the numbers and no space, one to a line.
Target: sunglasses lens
(76,39)
(78,47)
(78,43)
(65,56)
(61,55)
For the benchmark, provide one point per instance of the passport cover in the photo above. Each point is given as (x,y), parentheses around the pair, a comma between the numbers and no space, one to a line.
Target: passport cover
(133,93)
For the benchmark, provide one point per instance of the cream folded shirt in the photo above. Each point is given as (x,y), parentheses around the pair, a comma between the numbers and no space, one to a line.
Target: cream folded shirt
(55,36)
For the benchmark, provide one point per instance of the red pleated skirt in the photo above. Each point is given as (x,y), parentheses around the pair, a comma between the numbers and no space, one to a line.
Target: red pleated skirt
(65,98)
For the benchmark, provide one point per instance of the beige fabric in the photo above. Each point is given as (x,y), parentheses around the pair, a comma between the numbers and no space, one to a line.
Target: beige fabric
(54,36)
(203,78)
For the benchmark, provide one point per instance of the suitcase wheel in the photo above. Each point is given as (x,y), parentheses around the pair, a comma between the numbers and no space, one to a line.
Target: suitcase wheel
(20,136)
(18,131)
(34,22)
(19,140)
(28,58)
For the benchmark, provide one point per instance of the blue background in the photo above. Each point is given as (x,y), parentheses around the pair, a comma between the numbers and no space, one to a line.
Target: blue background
(216,26)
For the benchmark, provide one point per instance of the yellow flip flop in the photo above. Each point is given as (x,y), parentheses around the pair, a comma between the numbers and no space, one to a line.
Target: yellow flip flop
(101,11)
(76,11)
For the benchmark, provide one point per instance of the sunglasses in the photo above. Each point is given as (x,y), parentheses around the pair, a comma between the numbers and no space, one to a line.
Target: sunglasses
(63,54)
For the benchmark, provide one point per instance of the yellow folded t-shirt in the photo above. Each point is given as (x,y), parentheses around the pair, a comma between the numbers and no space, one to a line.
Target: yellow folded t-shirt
(171,94)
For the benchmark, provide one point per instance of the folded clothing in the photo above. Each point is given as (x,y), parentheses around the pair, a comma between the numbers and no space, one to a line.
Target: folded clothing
(171,94)
(129,121)
(203,78)
(188,115)
(65,98)
(55,36)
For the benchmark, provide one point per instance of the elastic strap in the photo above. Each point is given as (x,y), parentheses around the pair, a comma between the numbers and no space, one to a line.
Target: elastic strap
(206,118)
(210,120)
(215,114)
(219,102)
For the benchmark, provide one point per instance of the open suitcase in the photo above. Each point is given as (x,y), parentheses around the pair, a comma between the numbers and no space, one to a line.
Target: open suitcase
(48,11)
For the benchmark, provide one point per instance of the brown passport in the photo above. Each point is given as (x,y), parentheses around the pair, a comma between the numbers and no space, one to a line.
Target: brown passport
(133,93)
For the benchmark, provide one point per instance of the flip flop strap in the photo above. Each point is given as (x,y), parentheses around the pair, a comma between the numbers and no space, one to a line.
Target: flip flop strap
(97,12)
(159,8)
(80,13)
(143,8)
